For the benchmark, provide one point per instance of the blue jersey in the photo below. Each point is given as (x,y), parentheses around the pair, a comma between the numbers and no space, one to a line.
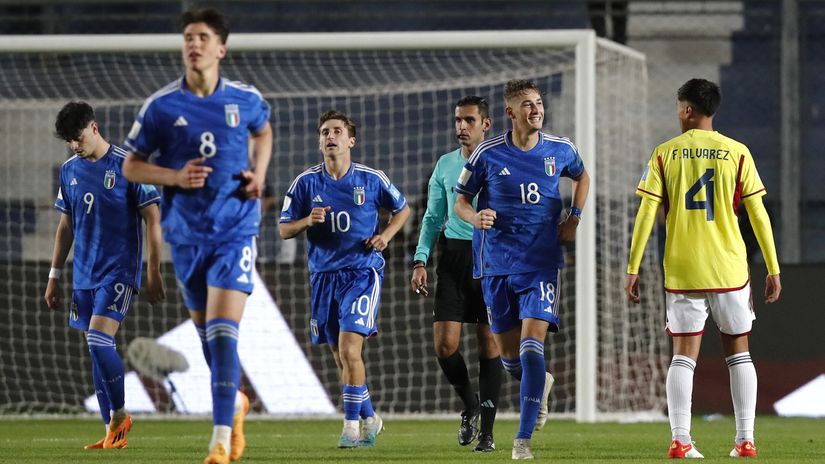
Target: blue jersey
(105,211)
(338,243)
(181,126)
(522,187)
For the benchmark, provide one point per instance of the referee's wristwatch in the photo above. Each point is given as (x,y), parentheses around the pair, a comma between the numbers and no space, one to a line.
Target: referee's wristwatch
(417,263)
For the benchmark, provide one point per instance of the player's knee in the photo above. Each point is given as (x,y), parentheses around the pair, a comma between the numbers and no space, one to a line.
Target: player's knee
(488,349)
(349,356)
(445,347)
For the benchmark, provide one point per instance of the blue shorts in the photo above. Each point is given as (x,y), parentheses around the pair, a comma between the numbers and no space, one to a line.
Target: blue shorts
(225,265)
(344,301)
(519,296)
(111,300)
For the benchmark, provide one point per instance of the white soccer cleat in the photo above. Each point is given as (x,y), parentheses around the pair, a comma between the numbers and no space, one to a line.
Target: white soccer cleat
(544,408)
(348,439)
(521,449)
(370,429)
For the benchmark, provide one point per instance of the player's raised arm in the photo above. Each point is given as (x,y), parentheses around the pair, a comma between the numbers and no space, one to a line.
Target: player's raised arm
(483,219)
(290,230)
(63,240)
(155,290)
(380,241)
(192,175)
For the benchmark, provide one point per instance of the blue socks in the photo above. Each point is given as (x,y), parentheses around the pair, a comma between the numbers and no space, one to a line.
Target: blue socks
(353,396)
(357,402)
(110,367)
(366,403)
(222,337)
(100,392)
(531,355)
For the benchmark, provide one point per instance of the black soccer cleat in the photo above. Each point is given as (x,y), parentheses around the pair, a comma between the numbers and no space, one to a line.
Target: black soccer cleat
(468,430)
(485,443)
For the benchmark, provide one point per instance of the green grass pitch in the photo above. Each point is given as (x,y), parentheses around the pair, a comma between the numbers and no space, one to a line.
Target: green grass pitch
(421,441)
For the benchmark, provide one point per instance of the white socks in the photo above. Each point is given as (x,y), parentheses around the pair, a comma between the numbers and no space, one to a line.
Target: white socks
(679,396)
(743,391)
(221,434)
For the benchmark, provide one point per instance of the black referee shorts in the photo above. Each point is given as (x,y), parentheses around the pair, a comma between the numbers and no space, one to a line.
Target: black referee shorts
(458,296)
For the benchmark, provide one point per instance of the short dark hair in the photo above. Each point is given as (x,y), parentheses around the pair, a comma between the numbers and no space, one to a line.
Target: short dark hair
(72,119)
(335,114)
(517,87)
(703,95)
(472,100)
(209,16)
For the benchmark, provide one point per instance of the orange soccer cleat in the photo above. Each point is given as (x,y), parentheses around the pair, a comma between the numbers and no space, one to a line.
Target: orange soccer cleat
(96,445)
(238,440)
(217,455)
(746,450)
(116,437)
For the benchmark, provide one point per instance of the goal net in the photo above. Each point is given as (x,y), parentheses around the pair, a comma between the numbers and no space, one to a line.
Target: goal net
(609,357)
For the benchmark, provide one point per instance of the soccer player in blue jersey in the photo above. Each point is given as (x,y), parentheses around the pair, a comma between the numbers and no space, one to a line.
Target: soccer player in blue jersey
(458,297)
(337,204)
(517,239)
(102,214)
(200,126)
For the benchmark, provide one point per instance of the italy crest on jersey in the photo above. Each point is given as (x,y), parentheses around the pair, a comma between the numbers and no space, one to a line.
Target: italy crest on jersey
(233,115)
(359,195)
(550,166)
(109,179)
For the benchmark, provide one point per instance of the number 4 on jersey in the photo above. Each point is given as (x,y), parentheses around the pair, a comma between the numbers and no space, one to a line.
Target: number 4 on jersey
(707,204)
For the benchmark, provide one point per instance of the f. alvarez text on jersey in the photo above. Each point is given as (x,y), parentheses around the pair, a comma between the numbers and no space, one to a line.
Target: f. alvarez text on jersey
(700,153)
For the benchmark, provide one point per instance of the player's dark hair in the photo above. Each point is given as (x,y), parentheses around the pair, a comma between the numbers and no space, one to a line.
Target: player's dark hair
(703,95)
(72,119)
(516,87)
(472,100)
(334,114)
(209,16)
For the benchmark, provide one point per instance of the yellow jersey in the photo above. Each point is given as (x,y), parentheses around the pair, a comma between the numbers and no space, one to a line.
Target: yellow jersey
(701,177)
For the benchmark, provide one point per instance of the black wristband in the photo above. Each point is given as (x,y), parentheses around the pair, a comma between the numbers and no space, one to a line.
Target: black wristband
(416,264)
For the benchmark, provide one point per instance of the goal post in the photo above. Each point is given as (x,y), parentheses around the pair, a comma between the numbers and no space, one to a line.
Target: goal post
(596,96)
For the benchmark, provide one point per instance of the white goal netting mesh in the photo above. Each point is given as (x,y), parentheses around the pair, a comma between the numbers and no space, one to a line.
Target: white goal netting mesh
(402,102)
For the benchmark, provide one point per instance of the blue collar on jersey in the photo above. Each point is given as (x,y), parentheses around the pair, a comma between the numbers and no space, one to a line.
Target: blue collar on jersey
(108,152)
(186,91)
(327,174)
(508,139)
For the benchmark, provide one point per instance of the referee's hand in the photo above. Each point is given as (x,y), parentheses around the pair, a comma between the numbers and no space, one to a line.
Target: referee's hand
(419,281)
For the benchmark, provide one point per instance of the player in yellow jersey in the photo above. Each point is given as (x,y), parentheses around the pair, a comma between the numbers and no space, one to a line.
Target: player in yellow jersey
(702,178)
